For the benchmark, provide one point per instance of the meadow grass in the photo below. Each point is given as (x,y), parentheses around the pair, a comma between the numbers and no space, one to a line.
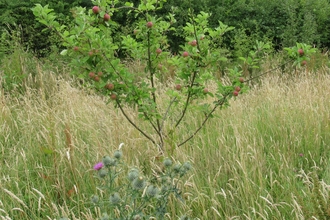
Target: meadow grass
(264,157)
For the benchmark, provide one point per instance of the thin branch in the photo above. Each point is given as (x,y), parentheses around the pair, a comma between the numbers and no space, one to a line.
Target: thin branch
(166,113)
(205,120)
(188,99)
(155,128)
(257,76)
(134,125)
(152,81)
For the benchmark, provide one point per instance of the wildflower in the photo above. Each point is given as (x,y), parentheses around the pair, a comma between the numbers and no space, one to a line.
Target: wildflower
(98,166)
(114,198)
(139,183)
(152,191)
(301,154)
(118,154)
(133,174)
(167,162)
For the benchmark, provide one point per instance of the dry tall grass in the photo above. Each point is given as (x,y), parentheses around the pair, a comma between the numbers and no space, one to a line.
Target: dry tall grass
(253,161)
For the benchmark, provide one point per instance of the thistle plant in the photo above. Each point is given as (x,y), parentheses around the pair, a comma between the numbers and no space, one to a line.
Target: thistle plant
(129,194)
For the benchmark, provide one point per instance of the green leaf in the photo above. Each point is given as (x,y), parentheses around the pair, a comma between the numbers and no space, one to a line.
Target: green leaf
(64,52)
(129,4)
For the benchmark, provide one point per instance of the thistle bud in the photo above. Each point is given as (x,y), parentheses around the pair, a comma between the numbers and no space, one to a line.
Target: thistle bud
(177,168)
(105,216)
(186,166)
(167,162)
(139,183)
(102,173)
(152,191)
(118,154)
(114,198)
(133,174)
(108,161)
(95,199)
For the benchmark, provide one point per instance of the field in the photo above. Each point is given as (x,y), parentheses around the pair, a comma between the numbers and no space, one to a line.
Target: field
(264,157)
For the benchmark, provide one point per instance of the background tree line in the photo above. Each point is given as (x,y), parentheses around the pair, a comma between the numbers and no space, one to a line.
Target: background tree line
(282,22)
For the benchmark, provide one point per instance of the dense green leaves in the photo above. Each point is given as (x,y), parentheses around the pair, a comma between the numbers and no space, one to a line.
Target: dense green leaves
(282,22)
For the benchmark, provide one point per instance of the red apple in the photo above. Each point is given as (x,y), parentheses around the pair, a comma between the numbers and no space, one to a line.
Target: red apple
(75,48)
(158,51)
(304,63)
(100,74)
(178,87)
(149,24)
(193,43)
(96,9)
(106,17)
(241,79)
(205,90)
(301,52)
(90,53)
(91,75)
(235,93)
(113,96)
(237,88)
(110,86)
(97,78)
(185,54)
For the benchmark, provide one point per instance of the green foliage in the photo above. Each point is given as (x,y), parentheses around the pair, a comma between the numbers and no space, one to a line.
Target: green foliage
(282,22)
(16,16)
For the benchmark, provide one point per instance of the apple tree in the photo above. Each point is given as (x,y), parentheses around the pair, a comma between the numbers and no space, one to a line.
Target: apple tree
(93,51)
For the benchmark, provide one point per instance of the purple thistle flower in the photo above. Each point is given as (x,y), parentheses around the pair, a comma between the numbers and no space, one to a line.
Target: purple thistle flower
(98,166)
